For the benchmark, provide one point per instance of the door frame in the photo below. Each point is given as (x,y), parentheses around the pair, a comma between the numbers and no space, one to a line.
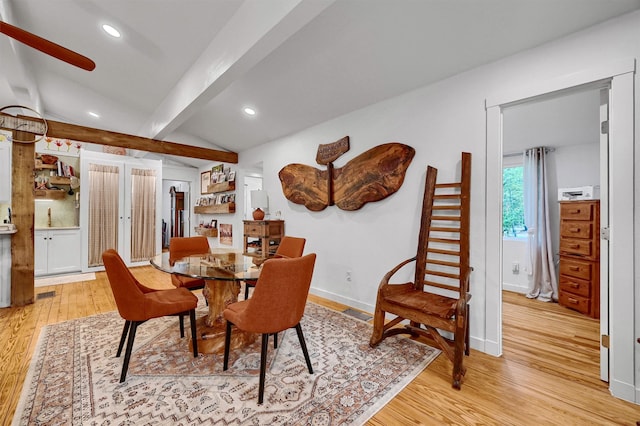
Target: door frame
(621,199)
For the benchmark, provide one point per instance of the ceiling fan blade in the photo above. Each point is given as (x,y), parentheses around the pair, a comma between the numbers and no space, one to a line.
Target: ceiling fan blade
(48,47)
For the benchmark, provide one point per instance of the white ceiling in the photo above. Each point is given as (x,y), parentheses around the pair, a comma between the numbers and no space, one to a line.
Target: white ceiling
(184,69)
(565,119)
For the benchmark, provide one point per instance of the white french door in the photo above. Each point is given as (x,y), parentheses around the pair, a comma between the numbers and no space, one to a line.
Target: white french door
(120,208)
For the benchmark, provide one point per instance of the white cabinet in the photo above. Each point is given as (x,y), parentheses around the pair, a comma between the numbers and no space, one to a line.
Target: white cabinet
(57,251)
(5,268)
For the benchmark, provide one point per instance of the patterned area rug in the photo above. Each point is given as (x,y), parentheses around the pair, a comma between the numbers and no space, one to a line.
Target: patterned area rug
(73,377)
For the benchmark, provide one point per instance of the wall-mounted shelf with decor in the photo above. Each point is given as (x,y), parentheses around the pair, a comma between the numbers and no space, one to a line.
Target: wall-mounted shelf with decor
(215,208)
(41,166)
(207,232)
(59,180)
(52,194)
(221,187)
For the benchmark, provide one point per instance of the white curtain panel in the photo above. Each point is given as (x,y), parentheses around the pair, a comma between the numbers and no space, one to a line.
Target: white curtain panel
(143,214)
(543,284)
(103,211)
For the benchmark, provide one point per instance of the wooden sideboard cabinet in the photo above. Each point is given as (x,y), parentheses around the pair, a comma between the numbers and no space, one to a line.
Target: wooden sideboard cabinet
(262,237)
(579,283)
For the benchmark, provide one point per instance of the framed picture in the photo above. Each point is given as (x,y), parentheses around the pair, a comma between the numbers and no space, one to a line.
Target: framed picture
(214,223)
(226,234)
(218,169)
(205,178)
(232,176)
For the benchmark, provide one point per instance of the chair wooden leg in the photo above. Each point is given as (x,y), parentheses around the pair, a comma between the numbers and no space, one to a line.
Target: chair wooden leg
(246,290)
(303,345)
(263,367)
(275,340)
(227,343)
(378,327)
(127,354)
(125,330)
(194,334)
(459,350)
(466,343)
(181,325)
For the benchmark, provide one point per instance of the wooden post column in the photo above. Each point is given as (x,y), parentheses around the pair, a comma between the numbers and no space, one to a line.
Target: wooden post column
(22,210)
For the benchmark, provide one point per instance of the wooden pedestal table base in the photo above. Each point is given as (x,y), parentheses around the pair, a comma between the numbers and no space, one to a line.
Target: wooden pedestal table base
(212,328)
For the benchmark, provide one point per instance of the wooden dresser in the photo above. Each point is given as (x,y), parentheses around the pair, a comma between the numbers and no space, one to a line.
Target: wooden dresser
(580,256)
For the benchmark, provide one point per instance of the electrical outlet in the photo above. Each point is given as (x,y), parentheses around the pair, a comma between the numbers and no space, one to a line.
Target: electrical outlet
(515,267)
(348,276)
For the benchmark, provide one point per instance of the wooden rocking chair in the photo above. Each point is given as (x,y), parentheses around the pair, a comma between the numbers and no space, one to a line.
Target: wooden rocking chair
(438,299)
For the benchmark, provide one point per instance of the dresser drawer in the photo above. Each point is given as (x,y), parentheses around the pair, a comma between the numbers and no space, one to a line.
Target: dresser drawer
(577,211)
(577,247)
(570,229)
(257,229)
(579,303)
(575,286)
(576,268)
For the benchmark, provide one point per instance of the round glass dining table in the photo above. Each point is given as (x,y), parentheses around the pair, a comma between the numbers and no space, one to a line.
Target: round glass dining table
(223,271)
(218,264)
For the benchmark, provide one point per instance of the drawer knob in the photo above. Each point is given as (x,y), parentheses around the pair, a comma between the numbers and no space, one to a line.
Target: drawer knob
(574,268)
(574,285)
(574,211)
(574,229)
(574,246)
(572,300)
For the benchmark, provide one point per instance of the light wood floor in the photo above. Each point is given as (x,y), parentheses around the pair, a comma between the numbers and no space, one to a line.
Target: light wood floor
(548,374)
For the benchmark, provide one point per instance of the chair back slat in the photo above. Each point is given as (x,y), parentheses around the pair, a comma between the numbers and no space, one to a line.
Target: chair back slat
(443,252)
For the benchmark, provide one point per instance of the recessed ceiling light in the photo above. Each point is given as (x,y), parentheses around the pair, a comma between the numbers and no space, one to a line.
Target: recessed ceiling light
(249,111)
(111,31)
(93,114)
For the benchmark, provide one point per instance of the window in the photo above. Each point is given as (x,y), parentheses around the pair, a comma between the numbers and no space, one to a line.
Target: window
(513,203)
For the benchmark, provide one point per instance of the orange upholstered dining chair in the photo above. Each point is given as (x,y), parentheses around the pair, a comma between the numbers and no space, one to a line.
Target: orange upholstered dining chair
(137,304)
(180,247)
(277,304)
(288,247)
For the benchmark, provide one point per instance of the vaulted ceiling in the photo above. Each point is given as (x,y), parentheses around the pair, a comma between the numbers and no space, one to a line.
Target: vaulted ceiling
(183,70)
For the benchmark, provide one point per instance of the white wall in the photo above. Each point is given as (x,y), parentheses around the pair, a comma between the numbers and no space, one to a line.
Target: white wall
(514,251)
(439,121)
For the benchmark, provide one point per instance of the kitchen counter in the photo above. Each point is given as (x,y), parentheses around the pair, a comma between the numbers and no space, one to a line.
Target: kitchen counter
(54,228)
(6,229)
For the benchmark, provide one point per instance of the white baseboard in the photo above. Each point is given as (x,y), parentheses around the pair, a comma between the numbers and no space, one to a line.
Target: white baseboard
(63,279)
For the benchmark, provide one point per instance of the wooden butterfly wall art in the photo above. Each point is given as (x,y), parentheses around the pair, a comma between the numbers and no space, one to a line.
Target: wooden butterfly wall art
(371,176)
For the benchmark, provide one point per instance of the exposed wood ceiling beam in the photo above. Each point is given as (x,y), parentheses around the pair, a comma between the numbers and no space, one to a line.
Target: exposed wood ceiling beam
(58,129)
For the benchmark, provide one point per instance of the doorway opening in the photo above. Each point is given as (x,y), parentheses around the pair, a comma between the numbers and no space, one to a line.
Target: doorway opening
(567,125)
(176,199)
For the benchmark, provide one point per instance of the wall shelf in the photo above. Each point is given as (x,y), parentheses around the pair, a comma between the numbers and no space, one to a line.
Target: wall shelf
(207,232)
(215,208)
(41,166)
(53,194)
(59,180)
(221,187)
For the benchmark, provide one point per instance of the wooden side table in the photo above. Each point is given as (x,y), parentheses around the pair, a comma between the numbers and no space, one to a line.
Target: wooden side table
(261,238)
